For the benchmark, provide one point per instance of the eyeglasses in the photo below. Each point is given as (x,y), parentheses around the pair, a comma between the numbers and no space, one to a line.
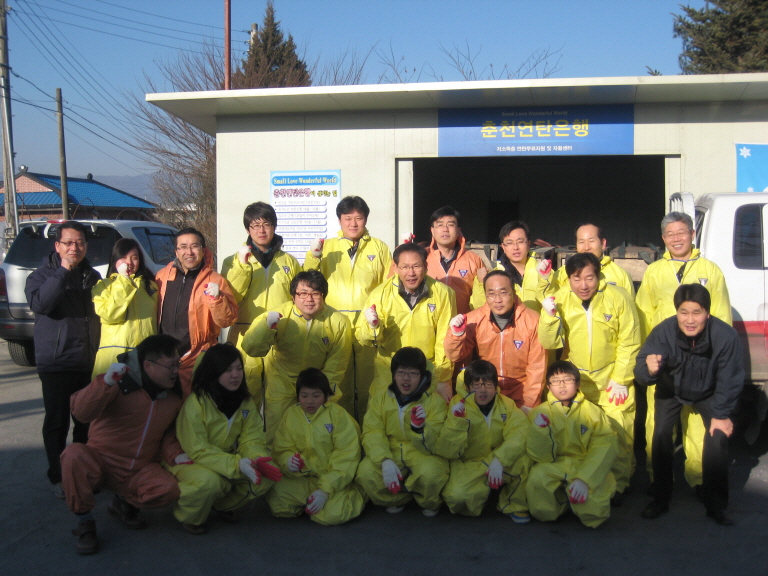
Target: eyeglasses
(193,247)
(482,384)
(675,235)
(263,226)
(78,243)
(448,225)
(563,382)
(415,268)
(312,295)
(508,243)
(411,374)
(171,368)
(503,294)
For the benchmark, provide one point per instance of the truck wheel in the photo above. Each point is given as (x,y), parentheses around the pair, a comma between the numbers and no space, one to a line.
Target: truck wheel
(22,352)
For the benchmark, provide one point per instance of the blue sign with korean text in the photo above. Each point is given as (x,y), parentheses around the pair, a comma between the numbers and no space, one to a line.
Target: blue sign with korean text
(537,131)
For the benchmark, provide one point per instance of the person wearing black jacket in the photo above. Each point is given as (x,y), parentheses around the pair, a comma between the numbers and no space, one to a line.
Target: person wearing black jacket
(694,359)
(66,337)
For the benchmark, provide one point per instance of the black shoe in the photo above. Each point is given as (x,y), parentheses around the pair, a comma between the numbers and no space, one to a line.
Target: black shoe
(127,514)
(654,509)
(617,500)
(228,516)
(721,517)
(699,489)
(87,542)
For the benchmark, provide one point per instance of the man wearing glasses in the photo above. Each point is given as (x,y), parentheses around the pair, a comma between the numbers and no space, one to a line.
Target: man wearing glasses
(304,333)
(681,264)
(260,275)
(505,333)
(67,332)
(195,301)
(410,309)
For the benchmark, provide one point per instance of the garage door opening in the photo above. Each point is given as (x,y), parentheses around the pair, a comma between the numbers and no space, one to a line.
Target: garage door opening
(623,194)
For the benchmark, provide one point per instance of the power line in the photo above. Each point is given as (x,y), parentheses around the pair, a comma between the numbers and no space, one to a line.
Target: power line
(29,103)
(165,17)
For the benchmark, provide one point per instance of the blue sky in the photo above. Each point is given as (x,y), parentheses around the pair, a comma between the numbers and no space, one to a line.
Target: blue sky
(595,38)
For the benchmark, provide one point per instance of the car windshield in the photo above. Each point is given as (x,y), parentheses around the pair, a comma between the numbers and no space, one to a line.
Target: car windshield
(158,243)
(31,248)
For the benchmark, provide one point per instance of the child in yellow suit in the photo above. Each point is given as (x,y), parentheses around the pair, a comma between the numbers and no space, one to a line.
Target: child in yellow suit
(317,446)
(573,448)
(225,463)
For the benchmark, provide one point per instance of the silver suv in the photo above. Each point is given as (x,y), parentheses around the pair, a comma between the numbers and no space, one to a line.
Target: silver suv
(30,250)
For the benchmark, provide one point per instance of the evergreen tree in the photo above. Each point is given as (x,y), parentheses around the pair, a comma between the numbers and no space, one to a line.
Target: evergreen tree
(271,61)
(726,36)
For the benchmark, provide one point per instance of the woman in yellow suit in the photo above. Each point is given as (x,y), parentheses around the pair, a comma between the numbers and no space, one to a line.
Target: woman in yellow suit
(225,463)
(484,439)
(400,434)
(260,275)
(317,447)
(126,302)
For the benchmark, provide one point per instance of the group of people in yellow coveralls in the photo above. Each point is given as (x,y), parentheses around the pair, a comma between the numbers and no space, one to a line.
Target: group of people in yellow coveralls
(448,368)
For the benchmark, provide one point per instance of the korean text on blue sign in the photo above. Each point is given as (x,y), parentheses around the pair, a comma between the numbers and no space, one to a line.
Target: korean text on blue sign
(537,131)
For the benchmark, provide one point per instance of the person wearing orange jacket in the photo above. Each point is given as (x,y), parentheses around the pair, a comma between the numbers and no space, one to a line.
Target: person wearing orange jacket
(448,260)
(505,333)
(195,302)
(130,408)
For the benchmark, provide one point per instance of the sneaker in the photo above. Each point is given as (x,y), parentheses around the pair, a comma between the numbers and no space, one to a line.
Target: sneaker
(58,491)
(654,509)
(196,529)
(395,509)
(86,538)
(721,517)
(430,513)
(127,514)
(520,517)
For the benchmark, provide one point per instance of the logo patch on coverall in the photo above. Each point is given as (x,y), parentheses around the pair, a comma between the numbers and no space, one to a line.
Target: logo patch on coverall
(432,307)
(245,414)
(608,317)
(286,270)
(371,257)
(463,273)
(329,427)
(703,281)
(583,429)
(611,283)
(325,340)
(503,417)
(518,344)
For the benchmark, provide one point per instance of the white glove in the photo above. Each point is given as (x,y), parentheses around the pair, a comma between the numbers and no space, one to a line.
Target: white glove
(578,491)
(418,416)
(495,474)
(212,290)
(458,324)
(371,316)
(272,318)
(246,467)
(392,475)
(541,420)
(243,254)
(316,501)
(316,247)
(618,392)
(114,373)
(408,238)
(182,458)
(549,305)
(544,267)
(295,463)
(459,409)
(123,269)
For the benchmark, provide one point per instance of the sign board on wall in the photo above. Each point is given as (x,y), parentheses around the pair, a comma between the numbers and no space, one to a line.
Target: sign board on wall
(305,202)
(537,131)
(751,167)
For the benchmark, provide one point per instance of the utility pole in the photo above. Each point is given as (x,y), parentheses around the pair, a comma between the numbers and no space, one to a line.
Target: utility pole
(227,45)
(62,158)
(9,171)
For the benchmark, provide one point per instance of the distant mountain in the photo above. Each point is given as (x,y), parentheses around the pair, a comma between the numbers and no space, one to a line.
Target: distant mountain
(136,185)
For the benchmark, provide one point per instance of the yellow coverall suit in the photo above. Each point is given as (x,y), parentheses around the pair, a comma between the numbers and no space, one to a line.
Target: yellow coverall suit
(613,273)
(602,343)
(329,444)
(216,445)
(256,291)
(579,443)
(128,315)
(531,293)
(387,433)
(655,302)
(324,342)
(472,442)
(350,281)
(424,327)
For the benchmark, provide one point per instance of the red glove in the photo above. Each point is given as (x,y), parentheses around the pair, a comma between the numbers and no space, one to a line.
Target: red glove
(544,267)
(541,420)
(272,318)
(295,463)
(269,471)
(459,409)
(408,238)
(458,324)
(418,416)
(371,316)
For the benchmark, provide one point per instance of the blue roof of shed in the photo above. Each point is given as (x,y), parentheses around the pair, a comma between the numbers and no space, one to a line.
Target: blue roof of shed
(91,193)
(35,199)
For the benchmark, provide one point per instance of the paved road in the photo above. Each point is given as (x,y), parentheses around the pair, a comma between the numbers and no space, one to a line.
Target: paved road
(35,538)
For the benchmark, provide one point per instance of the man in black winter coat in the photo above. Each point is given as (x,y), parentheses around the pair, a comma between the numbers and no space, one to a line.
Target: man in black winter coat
(67,334)
(694,359)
